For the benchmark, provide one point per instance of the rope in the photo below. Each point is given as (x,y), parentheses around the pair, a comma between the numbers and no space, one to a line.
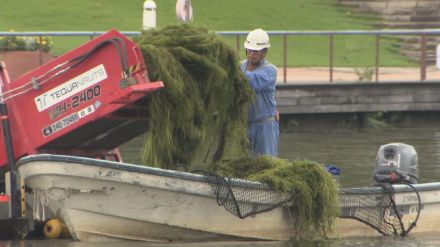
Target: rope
(41,201)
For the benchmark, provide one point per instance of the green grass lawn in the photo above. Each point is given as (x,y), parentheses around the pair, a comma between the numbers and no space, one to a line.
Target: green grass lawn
(216,15)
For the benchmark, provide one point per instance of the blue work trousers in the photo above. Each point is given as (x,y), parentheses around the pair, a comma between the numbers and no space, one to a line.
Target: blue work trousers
(264,137)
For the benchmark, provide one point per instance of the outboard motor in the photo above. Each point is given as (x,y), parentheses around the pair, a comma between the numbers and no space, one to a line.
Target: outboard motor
(396,163)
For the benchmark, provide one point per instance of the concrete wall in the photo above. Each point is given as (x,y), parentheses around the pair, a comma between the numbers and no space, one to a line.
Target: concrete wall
(358,97)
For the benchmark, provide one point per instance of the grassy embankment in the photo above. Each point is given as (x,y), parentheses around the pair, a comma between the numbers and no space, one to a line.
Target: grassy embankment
(216,15)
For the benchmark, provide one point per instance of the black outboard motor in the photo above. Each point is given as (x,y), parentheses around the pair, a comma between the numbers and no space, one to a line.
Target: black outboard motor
(396,163)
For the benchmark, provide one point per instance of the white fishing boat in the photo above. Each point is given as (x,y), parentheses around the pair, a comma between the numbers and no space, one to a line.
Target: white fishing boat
(102,200)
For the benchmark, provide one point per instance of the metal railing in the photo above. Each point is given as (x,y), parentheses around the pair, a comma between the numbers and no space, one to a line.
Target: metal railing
(423,33)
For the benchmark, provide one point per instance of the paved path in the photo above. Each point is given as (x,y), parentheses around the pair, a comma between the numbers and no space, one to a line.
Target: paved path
(341,75)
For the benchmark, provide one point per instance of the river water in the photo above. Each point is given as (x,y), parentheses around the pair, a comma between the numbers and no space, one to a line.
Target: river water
(348,142)
(351,143)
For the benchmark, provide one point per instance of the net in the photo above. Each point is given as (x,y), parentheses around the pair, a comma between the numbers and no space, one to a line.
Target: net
(256,184)
(244,198)
(377,207)
(374,206)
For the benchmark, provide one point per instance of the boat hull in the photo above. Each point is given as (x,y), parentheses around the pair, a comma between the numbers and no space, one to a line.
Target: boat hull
(101,200)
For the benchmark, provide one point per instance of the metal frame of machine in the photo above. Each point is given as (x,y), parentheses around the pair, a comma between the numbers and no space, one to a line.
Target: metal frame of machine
(83,103)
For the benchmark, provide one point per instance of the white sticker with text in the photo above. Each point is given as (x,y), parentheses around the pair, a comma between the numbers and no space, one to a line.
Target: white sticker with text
(71,87)
(67,121)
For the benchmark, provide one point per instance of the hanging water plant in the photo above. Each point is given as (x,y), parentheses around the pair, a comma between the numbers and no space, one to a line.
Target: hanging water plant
(201,114)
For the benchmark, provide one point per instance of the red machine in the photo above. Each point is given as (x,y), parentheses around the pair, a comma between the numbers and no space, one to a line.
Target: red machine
(86,102)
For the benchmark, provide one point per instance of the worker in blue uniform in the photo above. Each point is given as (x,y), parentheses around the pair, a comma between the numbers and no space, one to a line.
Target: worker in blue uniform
(263,126)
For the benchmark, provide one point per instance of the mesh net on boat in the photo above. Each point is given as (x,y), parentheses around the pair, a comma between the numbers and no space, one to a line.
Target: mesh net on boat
(374,206)
(377,207)
(244,197)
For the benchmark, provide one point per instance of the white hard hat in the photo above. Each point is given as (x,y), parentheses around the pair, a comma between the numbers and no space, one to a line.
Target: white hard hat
(257,40)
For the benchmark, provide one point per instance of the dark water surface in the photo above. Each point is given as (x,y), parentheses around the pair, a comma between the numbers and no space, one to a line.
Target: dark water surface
(351,148)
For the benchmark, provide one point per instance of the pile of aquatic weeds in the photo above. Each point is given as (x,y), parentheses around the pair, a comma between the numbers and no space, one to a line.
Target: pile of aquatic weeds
(200,115)
(199,120)
(315,202)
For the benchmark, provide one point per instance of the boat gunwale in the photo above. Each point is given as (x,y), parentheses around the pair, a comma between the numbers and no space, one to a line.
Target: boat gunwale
(198,177)
(236,182)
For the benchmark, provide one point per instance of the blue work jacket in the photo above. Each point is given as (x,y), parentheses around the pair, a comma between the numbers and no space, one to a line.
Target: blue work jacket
(263,129)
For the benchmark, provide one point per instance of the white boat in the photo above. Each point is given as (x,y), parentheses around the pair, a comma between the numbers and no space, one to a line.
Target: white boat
(101,200)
